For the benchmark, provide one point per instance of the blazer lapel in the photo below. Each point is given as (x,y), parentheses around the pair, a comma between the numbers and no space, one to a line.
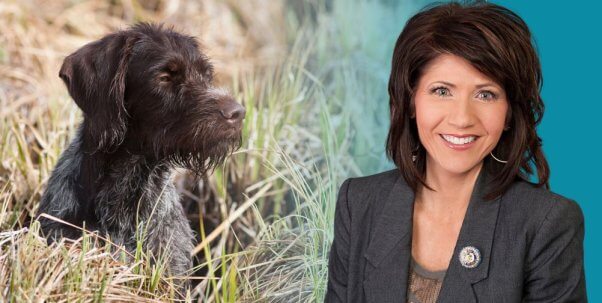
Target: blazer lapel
(477,230)
(389,249)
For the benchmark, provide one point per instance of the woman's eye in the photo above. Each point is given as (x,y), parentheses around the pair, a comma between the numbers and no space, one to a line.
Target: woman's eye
(440,91)
(487,95)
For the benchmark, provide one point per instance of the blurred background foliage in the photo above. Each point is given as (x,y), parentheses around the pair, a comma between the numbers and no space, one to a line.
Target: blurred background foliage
(313,77)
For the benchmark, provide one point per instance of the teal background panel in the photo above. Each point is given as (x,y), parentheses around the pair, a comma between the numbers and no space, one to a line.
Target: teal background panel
(567,35)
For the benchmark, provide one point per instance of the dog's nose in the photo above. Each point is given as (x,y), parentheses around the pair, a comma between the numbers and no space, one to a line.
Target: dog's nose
(233,112)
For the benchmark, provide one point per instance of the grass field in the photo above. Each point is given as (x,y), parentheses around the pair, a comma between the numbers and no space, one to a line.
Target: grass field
(312,76)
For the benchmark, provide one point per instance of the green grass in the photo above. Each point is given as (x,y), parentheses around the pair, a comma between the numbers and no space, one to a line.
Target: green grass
(347,115)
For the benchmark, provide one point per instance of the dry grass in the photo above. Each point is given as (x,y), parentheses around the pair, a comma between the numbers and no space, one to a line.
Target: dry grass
(75,271)
(37,119)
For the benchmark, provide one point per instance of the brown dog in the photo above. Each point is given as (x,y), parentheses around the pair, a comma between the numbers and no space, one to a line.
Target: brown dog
(149,105)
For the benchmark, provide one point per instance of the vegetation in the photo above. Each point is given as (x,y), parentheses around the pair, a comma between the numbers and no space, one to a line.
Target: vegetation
(312,76)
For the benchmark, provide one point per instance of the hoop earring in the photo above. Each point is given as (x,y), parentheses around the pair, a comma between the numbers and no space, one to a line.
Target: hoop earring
(496,159)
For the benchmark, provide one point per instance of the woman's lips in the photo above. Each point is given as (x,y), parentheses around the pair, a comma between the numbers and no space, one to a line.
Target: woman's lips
(458,147)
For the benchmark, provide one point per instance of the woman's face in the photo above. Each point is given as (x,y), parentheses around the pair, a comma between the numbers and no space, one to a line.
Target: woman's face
(460,114)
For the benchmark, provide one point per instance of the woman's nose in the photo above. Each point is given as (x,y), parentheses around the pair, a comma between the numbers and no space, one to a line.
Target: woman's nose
(462,114)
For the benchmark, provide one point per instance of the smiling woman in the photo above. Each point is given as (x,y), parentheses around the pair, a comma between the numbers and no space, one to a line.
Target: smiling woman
(458,109)
(458,220)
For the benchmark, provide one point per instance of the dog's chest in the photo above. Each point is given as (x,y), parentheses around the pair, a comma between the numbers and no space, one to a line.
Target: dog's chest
(138,196)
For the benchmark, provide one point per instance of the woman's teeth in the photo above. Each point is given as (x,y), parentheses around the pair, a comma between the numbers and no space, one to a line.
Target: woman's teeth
(456,140)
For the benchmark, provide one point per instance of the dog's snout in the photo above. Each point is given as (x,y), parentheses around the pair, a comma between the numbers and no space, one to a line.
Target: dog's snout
(233,112)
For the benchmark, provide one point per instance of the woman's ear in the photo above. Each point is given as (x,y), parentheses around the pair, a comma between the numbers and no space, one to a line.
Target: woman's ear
(95,78)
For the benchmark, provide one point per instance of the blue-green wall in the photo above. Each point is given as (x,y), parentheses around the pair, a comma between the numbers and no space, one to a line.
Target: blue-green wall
(568,40)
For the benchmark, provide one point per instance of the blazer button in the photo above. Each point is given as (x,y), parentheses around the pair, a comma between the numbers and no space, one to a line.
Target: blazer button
(470,257)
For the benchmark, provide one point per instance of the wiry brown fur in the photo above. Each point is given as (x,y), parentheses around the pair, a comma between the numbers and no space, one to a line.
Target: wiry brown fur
(149,105)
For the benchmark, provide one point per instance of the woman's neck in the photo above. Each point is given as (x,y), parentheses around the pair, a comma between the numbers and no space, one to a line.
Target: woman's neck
(453,190)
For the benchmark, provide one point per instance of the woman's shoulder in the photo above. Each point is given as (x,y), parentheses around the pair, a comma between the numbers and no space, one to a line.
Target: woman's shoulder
(553,227)
(526,199)
(362,192)
(383,178)
(371,185)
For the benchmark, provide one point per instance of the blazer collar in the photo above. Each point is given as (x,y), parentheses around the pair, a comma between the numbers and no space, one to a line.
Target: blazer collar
(389,250)
(393,229)
(394,222)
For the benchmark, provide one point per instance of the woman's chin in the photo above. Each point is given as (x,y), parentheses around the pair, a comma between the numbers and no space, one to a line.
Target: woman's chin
(459,166)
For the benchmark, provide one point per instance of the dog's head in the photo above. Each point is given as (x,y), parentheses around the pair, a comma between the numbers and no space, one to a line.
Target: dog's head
(150,90)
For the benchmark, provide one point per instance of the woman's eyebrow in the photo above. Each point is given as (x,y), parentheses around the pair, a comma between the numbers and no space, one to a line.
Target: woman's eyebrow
(487,84)
(478,86)
(444,82)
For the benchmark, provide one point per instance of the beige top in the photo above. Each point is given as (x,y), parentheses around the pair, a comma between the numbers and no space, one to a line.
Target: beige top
(424,285)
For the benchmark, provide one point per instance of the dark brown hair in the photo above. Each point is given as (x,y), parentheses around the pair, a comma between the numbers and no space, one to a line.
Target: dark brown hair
(498,43)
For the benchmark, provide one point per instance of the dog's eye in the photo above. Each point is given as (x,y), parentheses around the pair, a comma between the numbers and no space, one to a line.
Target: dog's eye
(164,78)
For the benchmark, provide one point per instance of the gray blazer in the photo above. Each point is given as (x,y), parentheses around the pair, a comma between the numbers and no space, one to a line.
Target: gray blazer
(530,240)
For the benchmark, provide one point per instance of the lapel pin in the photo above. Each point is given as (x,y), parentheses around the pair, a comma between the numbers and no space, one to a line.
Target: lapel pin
(470,257)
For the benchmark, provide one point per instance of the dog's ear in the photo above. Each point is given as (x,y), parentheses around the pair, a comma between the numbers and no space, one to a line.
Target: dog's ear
(95,77)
